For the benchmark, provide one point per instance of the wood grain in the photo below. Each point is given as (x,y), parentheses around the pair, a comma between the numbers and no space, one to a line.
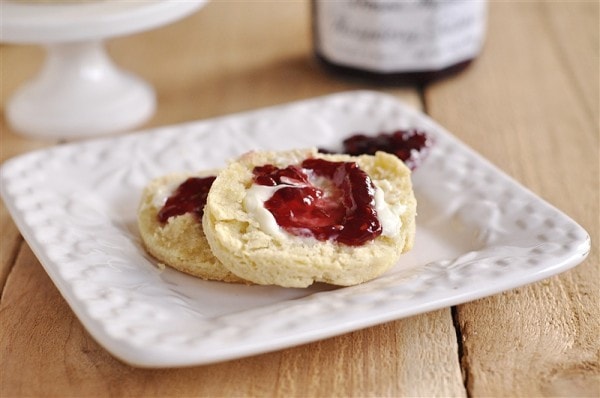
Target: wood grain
(532,112)
(47,352)
(529,104)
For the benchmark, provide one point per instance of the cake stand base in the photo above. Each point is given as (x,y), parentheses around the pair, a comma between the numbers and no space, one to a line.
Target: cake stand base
(80,92)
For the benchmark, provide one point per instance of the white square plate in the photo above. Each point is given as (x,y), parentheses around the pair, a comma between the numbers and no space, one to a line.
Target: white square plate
(479,233)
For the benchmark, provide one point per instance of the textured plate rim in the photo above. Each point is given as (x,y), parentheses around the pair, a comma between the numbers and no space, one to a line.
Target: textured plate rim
(160,356)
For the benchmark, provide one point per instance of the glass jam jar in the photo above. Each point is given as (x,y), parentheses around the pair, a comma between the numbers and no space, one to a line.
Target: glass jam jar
(398,41)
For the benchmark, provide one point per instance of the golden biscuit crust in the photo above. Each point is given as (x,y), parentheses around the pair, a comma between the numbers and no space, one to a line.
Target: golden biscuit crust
(180,243)
(237,240)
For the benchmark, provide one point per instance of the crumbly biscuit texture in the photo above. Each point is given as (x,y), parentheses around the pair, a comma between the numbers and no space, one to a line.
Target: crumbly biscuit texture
(180,243)
(236,237)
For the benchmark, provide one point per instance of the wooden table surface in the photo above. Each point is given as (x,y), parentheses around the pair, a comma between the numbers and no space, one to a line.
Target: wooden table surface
(529,104)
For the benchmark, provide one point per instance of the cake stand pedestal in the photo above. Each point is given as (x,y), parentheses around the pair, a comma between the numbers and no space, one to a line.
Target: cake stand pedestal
(80,92)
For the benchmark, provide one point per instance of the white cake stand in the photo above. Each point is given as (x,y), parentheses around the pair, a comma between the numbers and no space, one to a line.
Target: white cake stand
(79,91)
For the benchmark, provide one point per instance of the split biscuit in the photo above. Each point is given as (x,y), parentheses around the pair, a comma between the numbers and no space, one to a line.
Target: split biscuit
(239,240)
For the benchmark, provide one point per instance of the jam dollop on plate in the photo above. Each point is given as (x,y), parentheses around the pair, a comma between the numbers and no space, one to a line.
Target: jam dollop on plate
(411,146)
(323,199)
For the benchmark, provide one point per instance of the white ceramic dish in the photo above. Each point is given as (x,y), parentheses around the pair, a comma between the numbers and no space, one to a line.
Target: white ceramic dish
(479,233)
(29,22)
(80,91)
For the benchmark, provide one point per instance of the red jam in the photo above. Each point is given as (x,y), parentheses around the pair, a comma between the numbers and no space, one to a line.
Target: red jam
(410,146)
(189,197)
(341,208)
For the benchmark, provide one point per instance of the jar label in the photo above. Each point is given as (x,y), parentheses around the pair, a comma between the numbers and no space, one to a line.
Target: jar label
(400,36)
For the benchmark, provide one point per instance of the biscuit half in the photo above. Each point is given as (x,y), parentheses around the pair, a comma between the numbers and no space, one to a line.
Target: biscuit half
(179,243)
(237,239)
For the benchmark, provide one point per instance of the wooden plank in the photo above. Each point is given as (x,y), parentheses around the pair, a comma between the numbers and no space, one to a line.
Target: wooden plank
(9,245)
(417,356)
(573,29)
(227,62)
(411,357)
(524,95)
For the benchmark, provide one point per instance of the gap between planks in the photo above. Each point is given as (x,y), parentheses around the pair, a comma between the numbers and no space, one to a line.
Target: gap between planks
(454,309)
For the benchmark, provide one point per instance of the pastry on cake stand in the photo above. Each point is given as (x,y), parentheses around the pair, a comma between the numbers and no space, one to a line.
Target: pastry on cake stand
(80,92)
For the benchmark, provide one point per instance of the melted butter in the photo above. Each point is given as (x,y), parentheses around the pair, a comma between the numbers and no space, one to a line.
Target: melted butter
(257,195)
(163,193)
(388,215)
(254,204)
